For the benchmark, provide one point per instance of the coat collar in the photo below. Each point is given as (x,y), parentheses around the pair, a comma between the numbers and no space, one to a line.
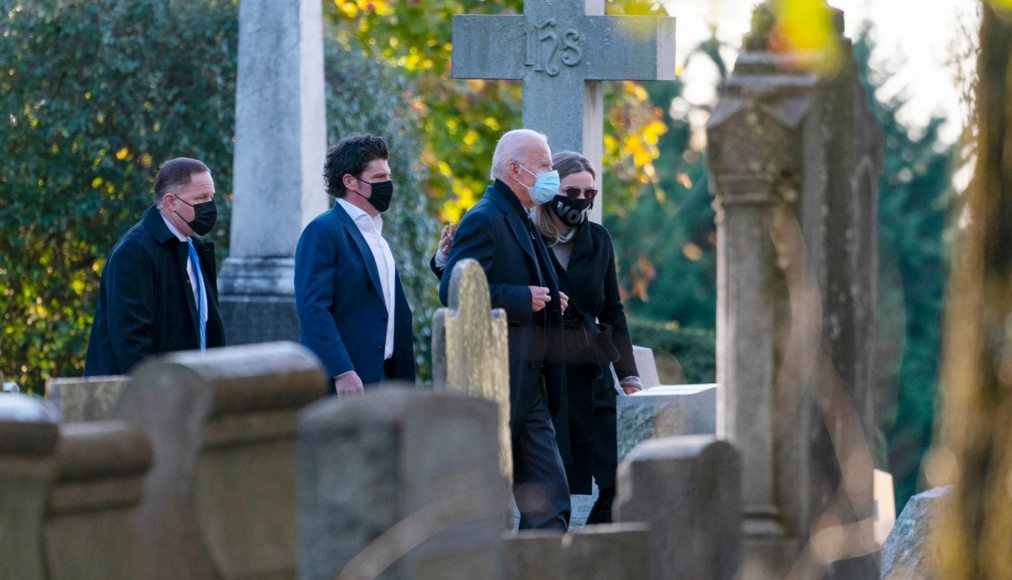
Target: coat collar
(516,216)
(152,220)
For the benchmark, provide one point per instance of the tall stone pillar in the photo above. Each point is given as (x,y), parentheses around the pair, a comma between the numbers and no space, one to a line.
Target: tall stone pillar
(280,148)
(794,160)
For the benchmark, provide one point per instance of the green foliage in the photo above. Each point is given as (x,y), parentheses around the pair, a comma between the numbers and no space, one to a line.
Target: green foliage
(694,349)
(94,94)
(463,120)
(84,131)
(667,240)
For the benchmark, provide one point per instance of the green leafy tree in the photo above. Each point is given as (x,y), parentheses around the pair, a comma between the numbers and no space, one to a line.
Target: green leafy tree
(94,95)
(462,120)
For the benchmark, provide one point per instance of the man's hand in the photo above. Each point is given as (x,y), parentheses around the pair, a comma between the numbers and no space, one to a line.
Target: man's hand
(348,384)
(446,239)
(565,300)
(539,298)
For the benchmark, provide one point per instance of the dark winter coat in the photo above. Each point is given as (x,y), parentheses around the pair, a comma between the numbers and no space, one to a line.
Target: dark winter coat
(146,304)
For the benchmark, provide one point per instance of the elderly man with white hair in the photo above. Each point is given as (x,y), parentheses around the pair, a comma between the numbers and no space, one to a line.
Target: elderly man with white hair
(498,233)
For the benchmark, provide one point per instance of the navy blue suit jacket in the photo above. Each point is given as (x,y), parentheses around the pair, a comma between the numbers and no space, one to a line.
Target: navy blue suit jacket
(342,313)
(494,233)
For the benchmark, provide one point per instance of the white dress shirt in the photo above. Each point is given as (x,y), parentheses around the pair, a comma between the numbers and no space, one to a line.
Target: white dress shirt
(189,269)
(372,231)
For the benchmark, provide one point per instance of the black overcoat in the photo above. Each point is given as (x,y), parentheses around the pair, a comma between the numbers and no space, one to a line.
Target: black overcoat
(589,428)
(145,302)
(495,233)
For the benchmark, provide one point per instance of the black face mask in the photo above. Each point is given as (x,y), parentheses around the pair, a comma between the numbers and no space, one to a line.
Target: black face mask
(572,212)
(204,217)
(382,193)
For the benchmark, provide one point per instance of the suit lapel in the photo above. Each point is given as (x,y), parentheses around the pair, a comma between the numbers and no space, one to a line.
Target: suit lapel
(516,224)
(363,247)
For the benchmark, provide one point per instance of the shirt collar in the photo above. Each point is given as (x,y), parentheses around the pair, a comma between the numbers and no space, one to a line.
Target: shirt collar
(172,228)
(361,218)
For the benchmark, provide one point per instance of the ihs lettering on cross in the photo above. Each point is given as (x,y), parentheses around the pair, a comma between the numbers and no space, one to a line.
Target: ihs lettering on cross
(562,49)
(542,37)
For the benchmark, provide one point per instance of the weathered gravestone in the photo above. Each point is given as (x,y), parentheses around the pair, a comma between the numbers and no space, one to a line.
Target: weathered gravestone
(795,158)
(220,500)
(28,438)
(665,411)
(86,398)
(911,552)
(646,365)
(562,50)
(688,489)
(401,483)
(280,116)
(601,552)
(470,348)
(598,552)
(91,527)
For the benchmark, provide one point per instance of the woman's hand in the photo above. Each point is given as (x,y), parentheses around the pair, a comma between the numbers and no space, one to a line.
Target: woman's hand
(631,385)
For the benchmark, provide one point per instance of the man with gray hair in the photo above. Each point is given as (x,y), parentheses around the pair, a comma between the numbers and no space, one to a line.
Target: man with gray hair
(498,233)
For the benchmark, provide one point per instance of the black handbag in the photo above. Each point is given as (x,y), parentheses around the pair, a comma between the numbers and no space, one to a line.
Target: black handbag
(588,341)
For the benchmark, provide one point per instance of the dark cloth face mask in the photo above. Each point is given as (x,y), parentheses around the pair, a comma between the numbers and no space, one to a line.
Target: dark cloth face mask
(205,215)
(382,193)
(571,212)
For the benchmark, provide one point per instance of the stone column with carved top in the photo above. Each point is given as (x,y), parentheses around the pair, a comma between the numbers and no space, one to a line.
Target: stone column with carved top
(794,160)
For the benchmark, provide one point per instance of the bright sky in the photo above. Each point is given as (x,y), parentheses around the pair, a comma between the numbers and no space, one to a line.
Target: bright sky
(917,39)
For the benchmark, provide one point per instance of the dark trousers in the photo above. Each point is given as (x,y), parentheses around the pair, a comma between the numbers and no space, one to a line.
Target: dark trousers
(539,478)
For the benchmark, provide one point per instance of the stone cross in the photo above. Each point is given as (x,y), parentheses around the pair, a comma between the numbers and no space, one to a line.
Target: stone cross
(562,49)
(280,147)
(470,348)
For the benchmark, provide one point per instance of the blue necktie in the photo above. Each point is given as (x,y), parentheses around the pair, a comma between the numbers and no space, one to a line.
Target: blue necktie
(195,264)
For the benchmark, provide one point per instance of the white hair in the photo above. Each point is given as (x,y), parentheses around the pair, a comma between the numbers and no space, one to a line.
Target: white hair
(511,147)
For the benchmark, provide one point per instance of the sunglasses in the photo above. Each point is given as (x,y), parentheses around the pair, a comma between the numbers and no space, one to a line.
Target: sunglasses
(574,192)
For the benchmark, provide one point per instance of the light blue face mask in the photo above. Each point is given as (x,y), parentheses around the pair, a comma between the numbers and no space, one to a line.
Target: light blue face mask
(546,185)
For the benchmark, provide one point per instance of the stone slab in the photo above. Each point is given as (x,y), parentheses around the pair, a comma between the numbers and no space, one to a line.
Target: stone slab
(28,440)
(603,552)
(688,489)
(91,527)
(646,365)
(907,552)
(665,411)
(220,501)
(86,398)
(417,491)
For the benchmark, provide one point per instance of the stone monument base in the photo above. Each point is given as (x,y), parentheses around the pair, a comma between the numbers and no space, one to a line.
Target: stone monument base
(257,298)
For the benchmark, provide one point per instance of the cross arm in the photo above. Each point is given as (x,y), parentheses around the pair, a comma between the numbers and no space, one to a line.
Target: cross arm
(488,46)
(636,48)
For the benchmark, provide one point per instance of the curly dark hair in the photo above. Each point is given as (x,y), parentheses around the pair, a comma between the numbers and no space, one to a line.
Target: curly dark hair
(351,155)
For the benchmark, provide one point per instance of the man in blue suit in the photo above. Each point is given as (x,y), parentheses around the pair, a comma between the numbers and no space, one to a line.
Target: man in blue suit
(351,304)
(498,233)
